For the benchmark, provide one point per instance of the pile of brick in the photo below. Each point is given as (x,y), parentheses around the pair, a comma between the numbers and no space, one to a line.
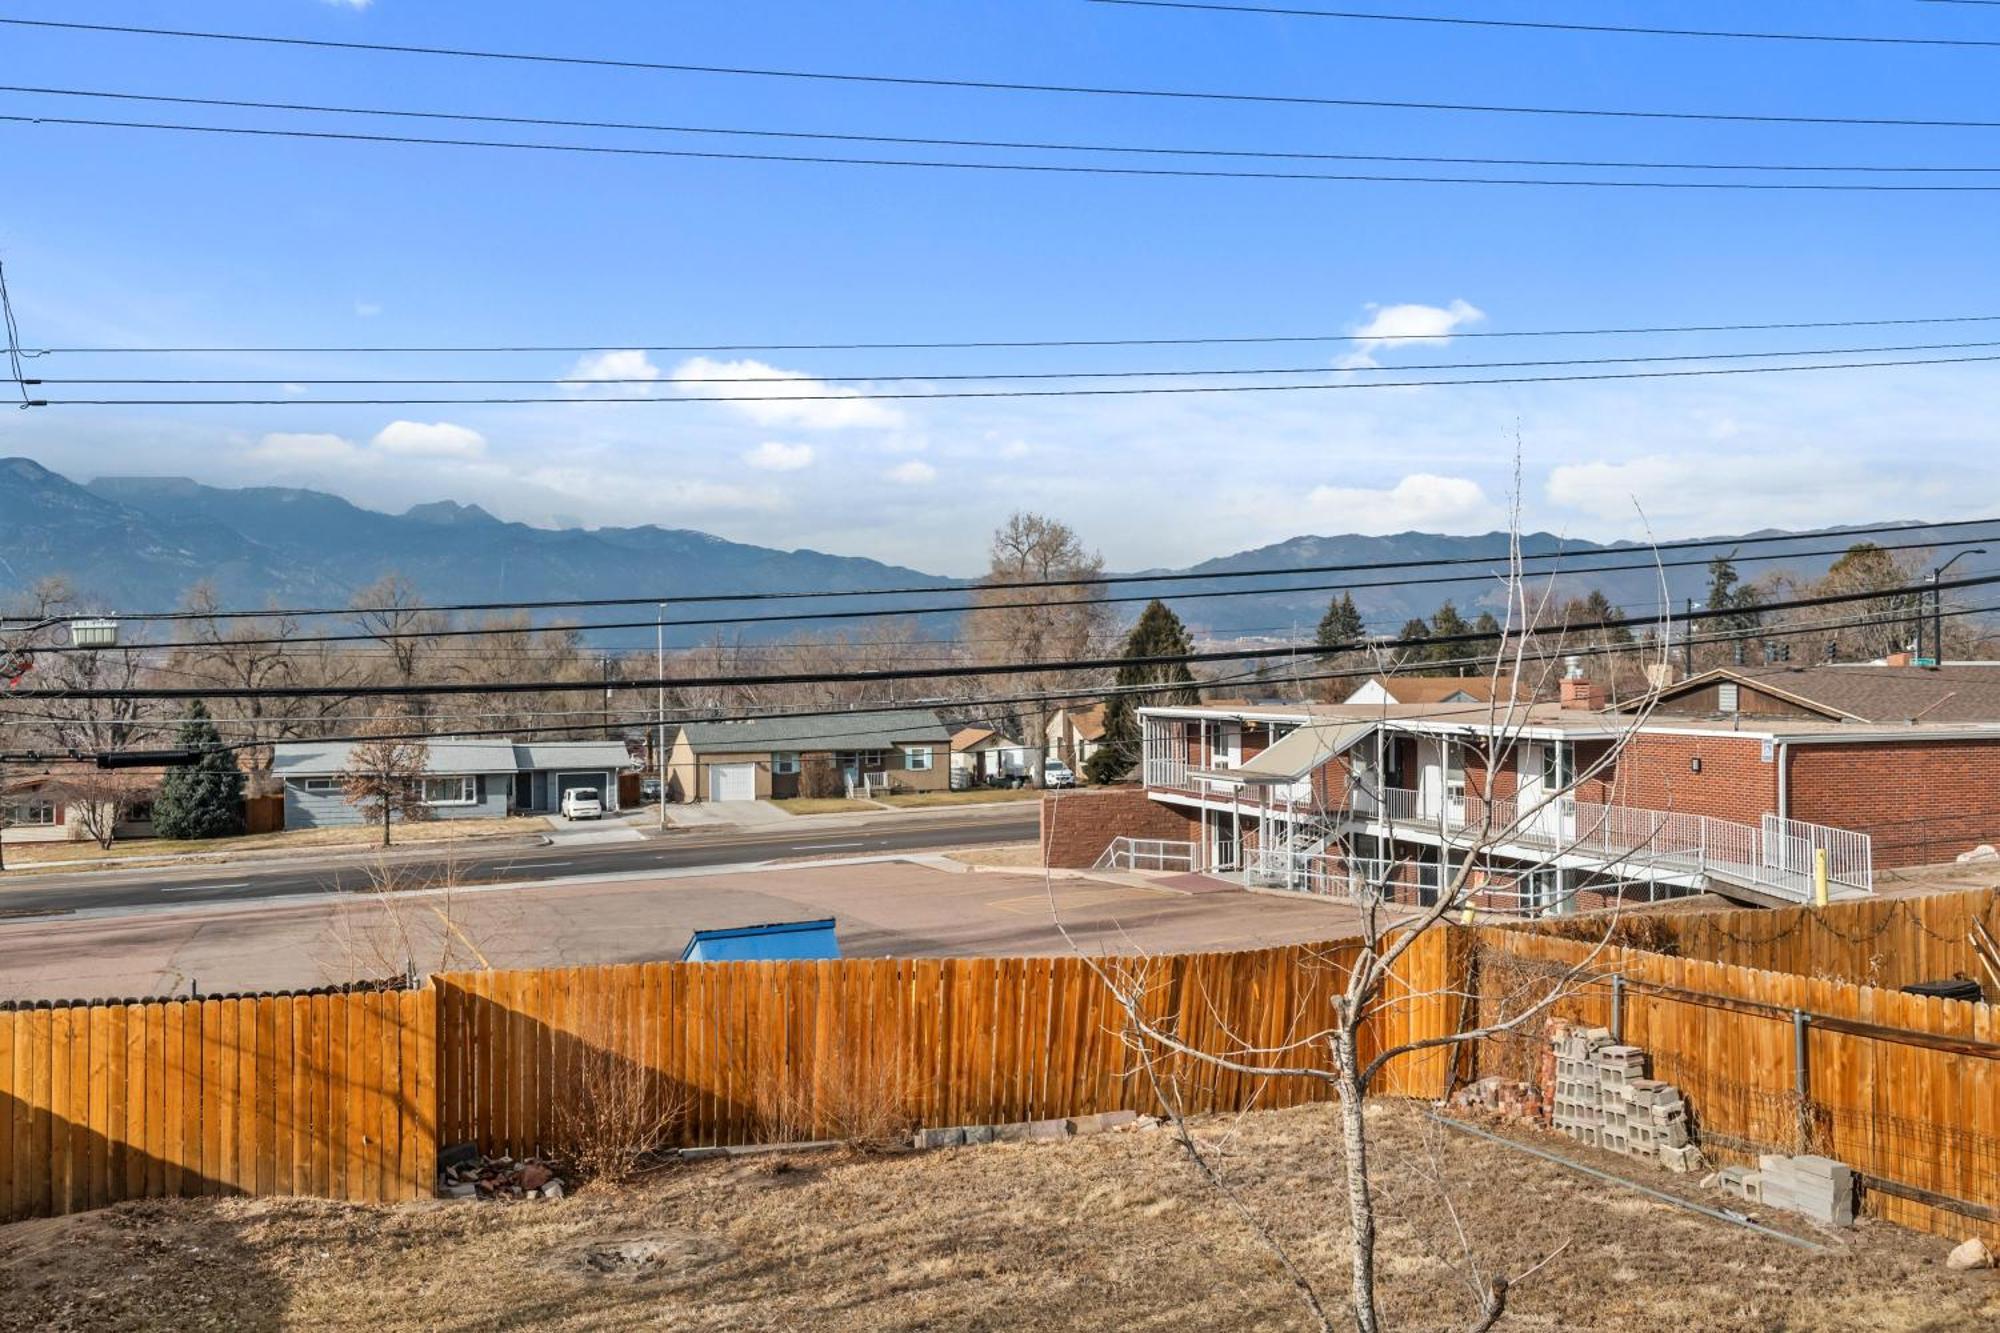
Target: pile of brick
(1818,1187)
(1507,1098)
(466,1173)
(1603,1098)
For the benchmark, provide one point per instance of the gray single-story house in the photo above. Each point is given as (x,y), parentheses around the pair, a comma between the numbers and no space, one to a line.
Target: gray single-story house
(764,758)
(465,779)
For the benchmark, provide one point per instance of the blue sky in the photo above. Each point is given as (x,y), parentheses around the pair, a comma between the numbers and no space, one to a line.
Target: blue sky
(133,238)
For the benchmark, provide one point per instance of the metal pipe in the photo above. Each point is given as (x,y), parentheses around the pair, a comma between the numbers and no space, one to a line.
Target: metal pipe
(1720,1215)
(1618,1009)
(660,671)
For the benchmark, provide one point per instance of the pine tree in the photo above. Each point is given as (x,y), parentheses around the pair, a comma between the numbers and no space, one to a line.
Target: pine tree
(1341,626)
(1158,633)
(1413,636)
(1446,623)
(1728,593)
(204,800)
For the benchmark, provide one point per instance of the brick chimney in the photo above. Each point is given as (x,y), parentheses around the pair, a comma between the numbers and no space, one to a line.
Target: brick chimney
(1577,692)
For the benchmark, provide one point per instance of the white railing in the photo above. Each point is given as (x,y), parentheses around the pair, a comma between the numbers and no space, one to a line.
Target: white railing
(1146,854)
(1777,855)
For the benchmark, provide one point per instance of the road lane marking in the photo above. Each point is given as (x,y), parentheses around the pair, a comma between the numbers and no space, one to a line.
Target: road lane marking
(197,888)
(824,846)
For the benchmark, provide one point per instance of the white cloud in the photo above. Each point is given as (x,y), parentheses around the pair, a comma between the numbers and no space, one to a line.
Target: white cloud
(772,456)
(1407,326)
(348,4)
(366,309)
(1015,449)
(625,365)
(916,472)
(1420,500)
(436,439)
(301,447)
(819,405)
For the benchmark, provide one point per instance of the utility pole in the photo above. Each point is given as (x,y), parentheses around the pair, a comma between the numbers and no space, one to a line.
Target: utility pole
(660,739)
(1937,608)
(1687,640)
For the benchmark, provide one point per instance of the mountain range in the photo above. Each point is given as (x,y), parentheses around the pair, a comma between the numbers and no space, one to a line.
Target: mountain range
(132,543)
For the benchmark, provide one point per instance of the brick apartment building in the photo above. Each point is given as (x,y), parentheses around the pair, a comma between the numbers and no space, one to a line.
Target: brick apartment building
(1736,780)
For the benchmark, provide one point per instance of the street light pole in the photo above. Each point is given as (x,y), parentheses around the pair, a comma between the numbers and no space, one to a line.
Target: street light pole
(1937,607)
(660,673)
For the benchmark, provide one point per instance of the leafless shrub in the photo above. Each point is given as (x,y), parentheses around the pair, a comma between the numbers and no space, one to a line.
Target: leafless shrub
(618,1121)
(865,1108)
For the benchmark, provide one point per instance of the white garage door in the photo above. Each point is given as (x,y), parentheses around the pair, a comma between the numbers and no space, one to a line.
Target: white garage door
(732,782)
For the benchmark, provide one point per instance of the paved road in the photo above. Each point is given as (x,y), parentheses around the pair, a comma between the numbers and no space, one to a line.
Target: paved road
(39,895)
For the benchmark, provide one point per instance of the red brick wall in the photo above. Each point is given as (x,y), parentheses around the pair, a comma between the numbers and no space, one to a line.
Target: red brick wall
(1656,772)
(1078,825)
(1923,801)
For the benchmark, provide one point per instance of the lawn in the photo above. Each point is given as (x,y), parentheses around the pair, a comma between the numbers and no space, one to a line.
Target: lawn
(1117,1231)
(24,855)
(977,796)
(823,805)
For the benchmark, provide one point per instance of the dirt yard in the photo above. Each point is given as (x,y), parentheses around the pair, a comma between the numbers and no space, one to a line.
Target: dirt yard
(32,854)
(1111,1232)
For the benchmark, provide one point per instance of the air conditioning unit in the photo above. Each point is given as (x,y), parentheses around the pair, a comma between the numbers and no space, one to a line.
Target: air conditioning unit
(93,633)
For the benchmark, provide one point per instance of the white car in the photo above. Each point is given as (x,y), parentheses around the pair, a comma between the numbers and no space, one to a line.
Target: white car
(582,803)
(1055,773)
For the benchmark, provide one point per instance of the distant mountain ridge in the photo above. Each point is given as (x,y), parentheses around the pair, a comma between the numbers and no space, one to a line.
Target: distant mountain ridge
(141,542)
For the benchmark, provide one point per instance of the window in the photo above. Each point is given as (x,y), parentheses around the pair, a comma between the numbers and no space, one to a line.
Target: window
(317,784)
(1555,767)
(917,758)
(785,762)
(33,814)
(451,791)
(1454,771)
(866,761)
(1726,697)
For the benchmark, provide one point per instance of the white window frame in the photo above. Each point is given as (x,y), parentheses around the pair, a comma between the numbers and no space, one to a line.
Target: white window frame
(1728,697)
(784,763)
(38,812)
(317,784)
(1454,770)
(468,789)
(913,754)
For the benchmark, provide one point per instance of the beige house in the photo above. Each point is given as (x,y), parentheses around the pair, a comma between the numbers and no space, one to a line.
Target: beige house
(1075,733)
(69,802)
(768,758)
(981,757)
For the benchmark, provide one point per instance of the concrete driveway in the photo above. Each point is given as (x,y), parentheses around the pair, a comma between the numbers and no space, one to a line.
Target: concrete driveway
(728,814)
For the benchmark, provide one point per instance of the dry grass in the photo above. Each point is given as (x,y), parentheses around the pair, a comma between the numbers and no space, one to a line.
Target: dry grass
(824,805)
(981,796)
(436,830)
(1013,855)
(1113,1232)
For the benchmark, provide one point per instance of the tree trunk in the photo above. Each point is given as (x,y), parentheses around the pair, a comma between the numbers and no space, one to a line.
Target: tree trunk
(385,821)
(1360,1208)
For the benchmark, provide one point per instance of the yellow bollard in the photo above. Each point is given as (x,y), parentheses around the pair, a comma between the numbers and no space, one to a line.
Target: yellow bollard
(1819,877)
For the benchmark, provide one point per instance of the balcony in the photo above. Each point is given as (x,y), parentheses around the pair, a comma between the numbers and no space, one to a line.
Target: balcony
(1775,856)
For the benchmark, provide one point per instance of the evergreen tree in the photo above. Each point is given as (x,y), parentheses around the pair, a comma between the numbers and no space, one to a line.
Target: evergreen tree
(1413,635)
(1341,626)
(204,800)
(1158,633)
(1728,593)
(1446,622)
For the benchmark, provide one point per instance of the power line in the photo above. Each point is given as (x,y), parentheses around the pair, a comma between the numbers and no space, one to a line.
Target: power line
(640,346)
(1074,581)
(478,631)
(854,396)
(1056,168)
(996,376)
(986,85)
(970,704)
(1018,145)
(13,337)
(1542,25)
(883,675)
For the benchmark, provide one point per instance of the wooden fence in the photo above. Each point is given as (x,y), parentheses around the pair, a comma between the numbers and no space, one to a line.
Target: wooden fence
(1903,1088)
(1890,942)
(327,1095)
(755,1051)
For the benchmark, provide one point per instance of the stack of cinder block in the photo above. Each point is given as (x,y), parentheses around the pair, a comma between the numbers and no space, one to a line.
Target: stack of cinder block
(1604,1099)
(1818,1187)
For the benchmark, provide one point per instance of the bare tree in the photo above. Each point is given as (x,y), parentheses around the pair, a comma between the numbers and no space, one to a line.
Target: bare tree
(1015,623)
(98,800)
(1402,904)
(385,773)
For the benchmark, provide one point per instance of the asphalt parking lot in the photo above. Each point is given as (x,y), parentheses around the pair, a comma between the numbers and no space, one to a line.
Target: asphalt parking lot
(883,908)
